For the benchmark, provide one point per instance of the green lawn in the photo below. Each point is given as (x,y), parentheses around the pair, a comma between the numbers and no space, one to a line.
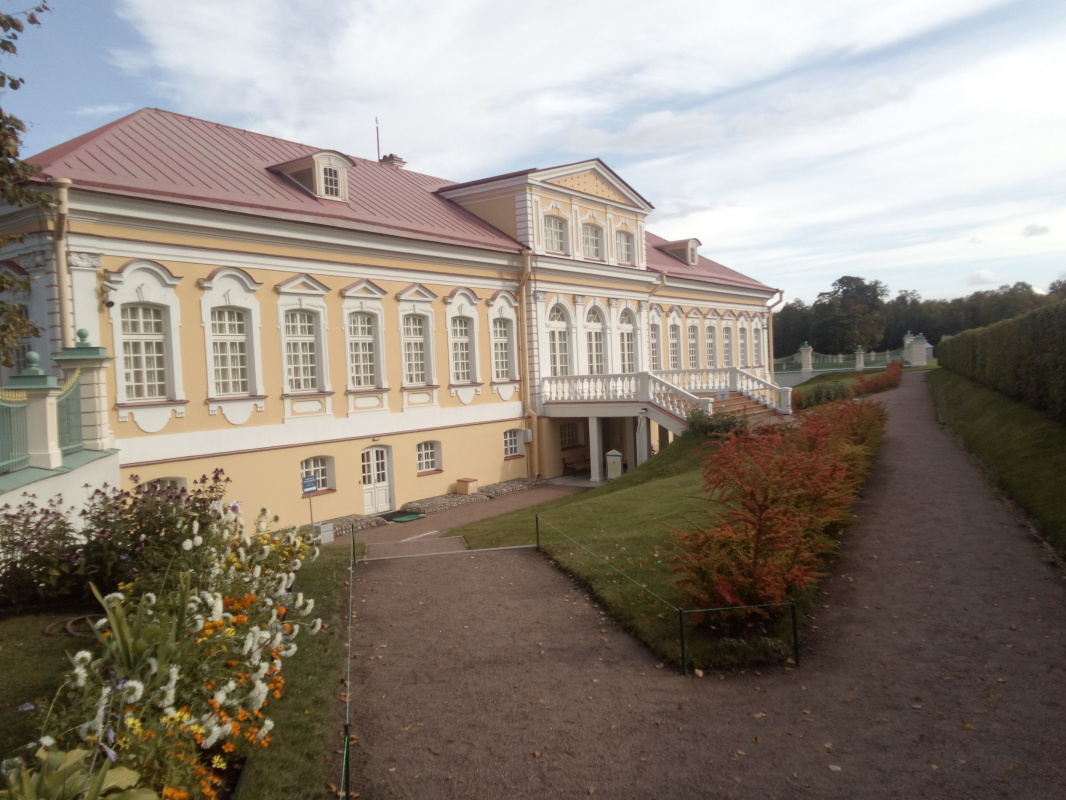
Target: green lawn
(32,663)
(628,524)
(1024,450)
(302,758)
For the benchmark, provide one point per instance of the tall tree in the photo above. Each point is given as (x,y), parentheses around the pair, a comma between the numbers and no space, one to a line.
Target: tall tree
(15,188)
(792,327)
(849,315)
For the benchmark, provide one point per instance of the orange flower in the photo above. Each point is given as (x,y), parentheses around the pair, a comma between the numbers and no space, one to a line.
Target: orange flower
(227,748)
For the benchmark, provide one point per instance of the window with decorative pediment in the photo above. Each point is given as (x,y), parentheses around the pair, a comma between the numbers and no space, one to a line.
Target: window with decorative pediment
(675,346)
(656,343)
(144,353)
(592,241)
(229,351)
(727,346)
(758,346)
(362,350)
(462,349)
(743,337)
(555,234)
(623,247)
(416,346)
(693,347)
(302,368)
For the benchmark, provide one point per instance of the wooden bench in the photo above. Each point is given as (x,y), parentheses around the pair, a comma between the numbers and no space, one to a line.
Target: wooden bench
(579,462)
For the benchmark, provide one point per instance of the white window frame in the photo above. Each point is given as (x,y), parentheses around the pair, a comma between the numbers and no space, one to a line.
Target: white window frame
(428,457)
(673,333)
(303,351)
(504,308)
(233,289)
(656,345)
(323,163)
(627,342)
(712,345)
(742,338)
(757,344)
(415,341)
(363,297)
(623,247)
(693,344)
(560,347)
(461,350)
(728,355)
(595,325)
(693,253)
(364,354)
(513,443)
(146,283)
(592,241)
(304,293)
(322,468)
(462,304)
(555,233)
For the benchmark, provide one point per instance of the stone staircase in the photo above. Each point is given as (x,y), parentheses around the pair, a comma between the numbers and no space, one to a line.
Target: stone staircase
(756,413)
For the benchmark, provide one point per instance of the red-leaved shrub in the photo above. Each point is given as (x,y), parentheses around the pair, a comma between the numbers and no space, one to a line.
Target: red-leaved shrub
(776,495)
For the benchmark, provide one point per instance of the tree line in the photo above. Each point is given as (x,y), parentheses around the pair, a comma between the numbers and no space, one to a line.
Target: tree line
(856,312)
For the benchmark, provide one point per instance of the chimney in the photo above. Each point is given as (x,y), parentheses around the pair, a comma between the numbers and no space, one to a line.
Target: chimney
(393,160)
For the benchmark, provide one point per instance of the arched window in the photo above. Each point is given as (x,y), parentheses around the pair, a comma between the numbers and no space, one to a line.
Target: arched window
(675,347)
(229,351)
(301,351)
(594,340)
(758,346)
(744,347)
(144,352)
(693,346)
(502,347)
(727,346)
(592,241)
(558,341)
(626,345)
(712,347)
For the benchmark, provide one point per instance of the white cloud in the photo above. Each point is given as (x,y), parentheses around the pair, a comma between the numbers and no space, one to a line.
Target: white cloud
(105,110)
(1035,230)
(795,140)
(983,276)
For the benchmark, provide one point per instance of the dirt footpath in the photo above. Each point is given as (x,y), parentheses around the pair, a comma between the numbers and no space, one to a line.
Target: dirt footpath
(936,667)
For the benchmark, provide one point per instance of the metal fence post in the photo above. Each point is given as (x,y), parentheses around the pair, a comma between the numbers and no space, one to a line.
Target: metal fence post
(795,634)
(538,531)
(684,647)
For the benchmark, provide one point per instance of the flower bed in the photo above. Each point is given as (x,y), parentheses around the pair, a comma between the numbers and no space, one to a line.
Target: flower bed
(191,646)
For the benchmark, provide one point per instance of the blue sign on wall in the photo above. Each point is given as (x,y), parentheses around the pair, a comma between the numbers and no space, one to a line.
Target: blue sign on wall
(310,484)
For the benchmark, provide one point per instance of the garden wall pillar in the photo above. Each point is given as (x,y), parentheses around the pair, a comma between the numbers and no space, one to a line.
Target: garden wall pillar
(916,351)
(93,363)
(860,363)
(42,422)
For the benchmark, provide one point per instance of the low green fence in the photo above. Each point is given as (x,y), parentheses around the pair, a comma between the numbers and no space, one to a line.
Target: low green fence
(68,416)
(682,613)
(14,437)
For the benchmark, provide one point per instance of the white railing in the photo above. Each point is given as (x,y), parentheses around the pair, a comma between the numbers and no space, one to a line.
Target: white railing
(640,387)
(676,391)
(731,379)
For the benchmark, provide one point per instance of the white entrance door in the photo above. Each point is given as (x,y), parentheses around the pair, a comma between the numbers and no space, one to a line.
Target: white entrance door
(376,481)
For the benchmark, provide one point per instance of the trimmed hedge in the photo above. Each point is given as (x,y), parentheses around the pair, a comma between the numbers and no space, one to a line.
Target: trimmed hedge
(1022,358)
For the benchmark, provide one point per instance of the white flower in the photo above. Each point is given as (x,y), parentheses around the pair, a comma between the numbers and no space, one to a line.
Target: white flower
(83,657)
(47,741)
(315,553)
(258,695)
(187,544)
(295,631)
(268,725)
(134,691)
(199,623)
(195,527)
(299,599)
(290,580)
(257,571)
(216,609)
(317,626)
(79,676)
(295,565)
(309,606)
(114,597)
(153,666)
(149,598)
(198,540)
(250,641)
(100,622)
(290,651)
(261,526)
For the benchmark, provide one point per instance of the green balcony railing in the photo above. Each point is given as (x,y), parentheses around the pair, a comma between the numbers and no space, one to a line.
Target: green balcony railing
(14,436)
(68,414)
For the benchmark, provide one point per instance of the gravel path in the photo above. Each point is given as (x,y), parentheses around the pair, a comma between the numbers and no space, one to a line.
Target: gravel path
(935,667)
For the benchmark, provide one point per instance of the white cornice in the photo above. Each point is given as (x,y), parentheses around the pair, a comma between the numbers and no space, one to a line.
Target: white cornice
(223,258)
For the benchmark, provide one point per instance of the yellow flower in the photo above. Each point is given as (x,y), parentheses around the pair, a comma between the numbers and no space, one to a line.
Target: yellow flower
(230,632)
(218,762)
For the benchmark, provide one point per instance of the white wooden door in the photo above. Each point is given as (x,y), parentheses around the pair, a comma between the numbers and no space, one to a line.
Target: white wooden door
(376,481)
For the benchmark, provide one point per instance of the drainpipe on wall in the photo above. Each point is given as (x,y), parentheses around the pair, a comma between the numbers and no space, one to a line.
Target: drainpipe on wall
(59,240)
(659,286)
(532,462)
(770,309)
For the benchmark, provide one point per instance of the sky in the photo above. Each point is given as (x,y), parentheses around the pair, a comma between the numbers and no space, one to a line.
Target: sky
(918,143)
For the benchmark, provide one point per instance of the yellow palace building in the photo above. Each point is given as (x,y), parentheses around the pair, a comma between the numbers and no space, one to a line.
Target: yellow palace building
(280,312)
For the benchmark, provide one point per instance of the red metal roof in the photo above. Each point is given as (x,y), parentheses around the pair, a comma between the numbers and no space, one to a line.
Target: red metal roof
(174,158)
(171,157)
(706,270)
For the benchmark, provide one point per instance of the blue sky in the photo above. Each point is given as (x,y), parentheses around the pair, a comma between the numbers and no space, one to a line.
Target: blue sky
(915,143)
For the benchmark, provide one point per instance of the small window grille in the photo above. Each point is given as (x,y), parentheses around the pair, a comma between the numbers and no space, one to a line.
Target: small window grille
(428,456)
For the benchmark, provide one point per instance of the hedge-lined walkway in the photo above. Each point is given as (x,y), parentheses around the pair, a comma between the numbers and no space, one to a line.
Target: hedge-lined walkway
(937,668)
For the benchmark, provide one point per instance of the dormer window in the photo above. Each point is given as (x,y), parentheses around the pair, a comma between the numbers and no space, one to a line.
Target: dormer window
(686,250)
(693,253)
(323,174)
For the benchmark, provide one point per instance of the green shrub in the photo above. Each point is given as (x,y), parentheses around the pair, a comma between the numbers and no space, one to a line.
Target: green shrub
(819,394)
(713,426)
(1022,358)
